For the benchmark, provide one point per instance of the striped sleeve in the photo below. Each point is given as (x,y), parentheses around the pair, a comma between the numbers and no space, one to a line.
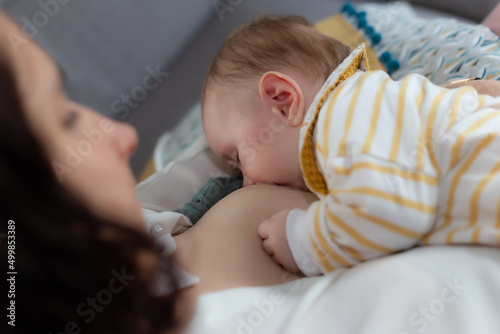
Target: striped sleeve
(375,146)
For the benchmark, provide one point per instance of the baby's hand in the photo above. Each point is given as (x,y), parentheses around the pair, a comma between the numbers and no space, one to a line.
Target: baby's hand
(274,241)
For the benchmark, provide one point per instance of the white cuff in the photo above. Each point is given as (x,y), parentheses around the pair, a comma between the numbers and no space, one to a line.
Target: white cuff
(162,225)
(295,230)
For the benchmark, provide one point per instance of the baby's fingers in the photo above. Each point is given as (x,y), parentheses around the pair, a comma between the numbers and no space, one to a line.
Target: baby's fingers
(264,229)
(266,244)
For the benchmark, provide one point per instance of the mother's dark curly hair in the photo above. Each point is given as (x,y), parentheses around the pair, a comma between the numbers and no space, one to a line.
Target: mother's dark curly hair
(68,274)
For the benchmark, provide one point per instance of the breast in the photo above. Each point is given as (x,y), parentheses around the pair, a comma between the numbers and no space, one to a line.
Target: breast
(224,249)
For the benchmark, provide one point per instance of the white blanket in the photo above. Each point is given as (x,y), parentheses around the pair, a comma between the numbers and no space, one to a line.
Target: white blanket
(435,289)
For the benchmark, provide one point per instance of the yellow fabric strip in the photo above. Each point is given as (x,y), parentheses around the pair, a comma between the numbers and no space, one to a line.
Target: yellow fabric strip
(414,176)
(308,164)
(481,102)
(457,147)
(421,146)
(325,148)
(353,253)
(396,140)
(148,170)
(338,27)
(475,235)
(322,258)
(350,113)
(361,239)
(497,225)
(456,104)
(454,184)
(474,206)
(474,202)
(375,116)
(324,244)
(397,229)
(430,129)
(388,197)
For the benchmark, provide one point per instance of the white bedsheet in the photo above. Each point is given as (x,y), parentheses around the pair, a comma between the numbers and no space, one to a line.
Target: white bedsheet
(434,289)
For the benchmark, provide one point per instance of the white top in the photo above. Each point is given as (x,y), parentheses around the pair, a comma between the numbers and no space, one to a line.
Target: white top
(403,163)
(431,290)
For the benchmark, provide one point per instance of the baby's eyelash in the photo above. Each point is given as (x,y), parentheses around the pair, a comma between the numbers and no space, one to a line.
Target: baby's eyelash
(70,119)
(234,164)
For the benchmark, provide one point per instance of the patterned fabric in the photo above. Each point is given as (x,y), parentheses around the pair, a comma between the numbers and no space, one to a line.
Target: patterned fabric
(441,49)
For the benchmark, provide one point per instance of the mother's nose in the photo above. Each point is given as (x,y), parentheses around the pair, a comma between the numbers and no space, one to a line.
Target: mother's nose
(124,139)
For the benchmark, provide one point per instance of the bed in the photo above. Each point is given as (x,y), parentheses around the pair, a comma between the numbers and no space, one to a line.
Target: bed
(424,290)
(433,289)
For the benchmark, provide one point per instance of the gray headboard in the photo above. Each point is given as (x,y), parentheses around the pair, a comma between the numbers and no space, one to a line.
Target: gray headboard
(112,52)
(115,53)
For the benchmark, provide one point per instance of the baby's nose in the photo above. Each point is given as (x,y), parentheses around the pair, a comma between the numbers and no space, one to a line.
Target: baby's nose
(247,181)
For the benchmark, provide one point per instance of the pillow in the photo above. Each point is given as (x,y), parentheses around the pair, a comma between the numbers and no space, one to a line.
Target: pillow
(441,49)
(179,180)
(173,143)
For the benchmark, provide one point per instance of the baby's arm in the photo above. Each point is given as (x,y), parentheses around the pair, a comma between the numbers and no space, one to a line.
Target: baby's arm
(331,234)
(376,205)
(492,21)
(483,87)
(486,87)
(347,228)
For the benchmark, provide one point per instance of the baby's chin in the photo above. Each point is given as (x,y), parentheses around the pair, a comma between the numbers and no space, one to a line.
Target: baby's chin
(272,185)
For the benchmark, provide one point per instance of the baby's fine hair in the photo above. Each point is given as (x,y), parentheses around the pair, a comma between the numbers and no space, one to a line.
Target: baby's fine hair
(273,44)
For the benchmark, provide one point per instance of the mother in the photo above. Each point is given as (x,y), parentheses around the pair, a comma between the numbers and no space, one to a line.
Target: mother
(83,262)
(82,259)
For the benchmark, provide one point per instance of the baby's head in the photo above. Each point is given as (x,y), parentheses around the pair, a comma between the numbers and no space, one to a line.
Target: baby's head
(257,92)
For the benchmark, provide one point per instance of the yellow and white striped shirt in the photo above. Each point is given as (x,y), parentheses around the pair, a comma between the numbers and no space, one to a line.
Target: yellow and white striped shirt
(395,164)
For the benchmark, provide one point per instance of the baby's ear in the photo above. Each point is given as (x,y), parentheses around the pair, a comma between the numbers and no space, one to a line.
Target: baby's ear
(283,96)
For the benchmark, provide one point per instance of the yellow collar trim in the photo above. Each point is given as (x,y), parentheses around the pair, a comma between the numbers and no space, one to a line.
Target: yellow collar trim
(308,164)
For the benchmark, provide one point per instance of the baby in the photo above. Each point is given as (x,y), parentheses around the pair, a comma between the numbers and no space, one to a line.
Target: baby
(394,164)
